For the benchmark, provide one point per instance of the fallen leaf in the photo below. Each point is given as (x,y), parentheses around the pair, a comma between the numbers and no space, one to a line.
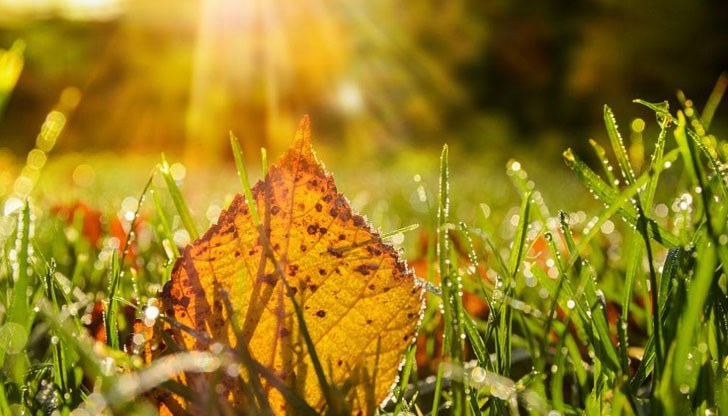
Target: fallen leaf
(360,302)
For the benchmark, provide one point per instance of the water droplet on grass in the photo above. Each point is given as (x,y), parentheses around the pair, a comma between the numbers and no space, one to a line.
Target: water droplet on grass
(108,366)
(151,312)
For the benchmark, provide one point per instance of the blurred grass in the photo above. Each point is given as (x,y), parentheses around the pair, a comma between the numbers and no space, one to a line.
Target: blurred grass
(393,193)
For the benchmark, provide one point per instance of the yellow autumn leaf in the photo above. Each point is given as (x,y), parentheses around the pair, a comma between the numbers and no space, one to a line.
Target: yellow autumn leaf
(361,304)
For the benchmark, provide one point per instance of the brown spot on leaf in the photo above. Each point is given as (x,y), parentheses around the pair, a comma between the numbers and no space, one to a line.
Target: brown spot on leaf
(363,269)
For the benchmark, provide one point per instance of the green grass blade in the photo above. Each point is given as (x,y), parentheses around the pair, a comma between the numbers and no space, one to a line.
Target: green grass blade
(16,328)
(594,321)
(601,338)
(607,195)
(112,320)
(672,271)
(253,387)
(664,118)
(653,320)
(662,112)
(477,343)
(80,343)
(326,388)
(558,371)
(624,199)
(453,316)
(178,200)
(18,310)
(58,351)
(409,363)
(698,288)
(602,156)
(243,175)
(713,100)
(519,243)
(618,146)
(163,227)
(681,138)
(714,162)
(401,230)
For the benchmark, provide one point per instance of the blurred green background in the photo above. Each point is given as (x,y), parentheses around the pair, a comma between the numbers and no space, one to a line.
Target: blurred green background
(386,83)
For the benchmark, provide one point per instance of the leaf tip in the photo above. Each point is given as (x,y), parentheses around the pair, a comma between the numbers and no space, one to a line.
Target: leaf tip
(569,155)
(303,134)
(304,128)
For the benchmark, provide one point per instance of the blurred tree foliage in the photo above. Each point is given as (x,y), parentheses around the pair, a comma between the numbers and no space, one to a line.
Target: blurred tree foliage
(376,75)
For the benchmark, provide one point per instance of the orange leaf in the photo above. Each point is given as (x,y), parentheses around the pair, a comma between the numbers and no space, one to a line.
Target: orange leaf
(361,304)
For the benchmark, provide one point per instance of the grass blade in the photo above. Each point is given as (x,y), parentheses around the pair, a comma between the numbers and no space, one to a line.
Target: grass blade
(714,162)
(690,319)
(519,243)
(713,100)
(243,175)
(608,195)
(18,311)
(16,328)
(178,200)
(618,146)
(602,156)
(163,228)
(112,320)
(453,316)
(409,363)
(624,199)
(593,322)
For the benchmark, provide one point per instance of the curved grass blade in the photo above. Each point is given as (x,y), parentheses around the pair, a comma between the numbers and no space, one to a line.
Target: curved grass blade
(662,112)
(625,198)
(608,195)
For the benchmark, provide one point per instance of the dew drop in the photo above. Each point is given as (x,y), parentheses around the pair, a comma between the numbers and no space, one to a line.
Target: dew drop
(108,366)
